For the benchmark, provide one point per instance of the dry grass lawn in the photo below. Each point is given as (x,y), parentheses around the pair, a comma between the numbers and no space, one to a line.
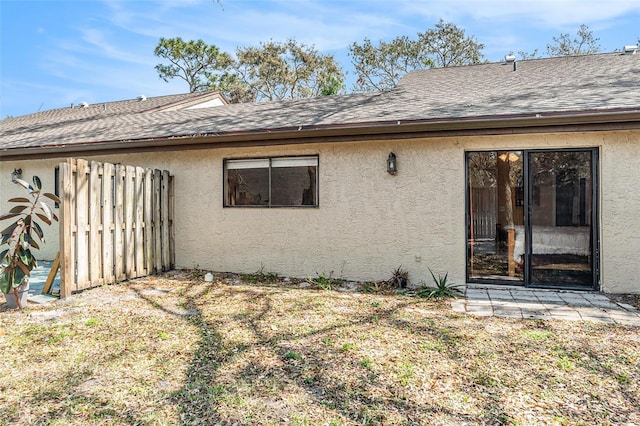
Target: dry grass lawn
(175,350)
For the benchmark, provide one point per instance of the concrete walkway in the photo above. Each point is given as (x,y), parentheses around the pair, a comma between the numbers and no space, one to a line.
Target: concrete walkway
(524,303)
(39,277)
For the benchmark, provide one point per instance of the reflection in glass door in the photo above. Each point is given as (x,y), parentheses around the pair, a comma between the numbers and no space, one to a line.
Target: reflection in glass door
(561,218)
(496,214)
(531,217)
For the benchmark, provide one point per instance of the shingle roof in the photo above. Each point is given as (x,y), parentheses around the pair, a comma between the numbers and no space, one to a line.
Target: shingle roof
(567,85)
(573,83)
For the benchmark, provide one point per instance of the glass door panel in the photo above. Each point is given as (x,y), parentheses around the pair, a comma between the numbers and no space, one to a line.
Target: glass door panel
(561,209)
(495,215)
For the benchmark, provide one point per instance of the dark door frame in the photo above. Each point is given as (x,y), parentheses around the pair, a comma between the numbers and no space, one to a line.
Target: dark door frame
(528,196)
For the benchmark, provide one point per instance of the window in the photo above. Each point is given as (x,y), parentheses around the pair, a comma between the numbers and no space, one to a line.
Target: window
(271,182)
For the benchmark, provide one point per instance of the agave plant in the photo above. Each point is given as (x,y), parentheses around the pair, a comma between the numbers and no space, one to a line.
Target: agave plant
(442,289)
(23,234)
(399,278)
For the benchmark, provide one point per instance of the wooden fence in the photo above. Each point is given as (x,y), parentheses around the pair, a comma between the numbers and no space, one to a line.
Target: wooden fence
(484,212)
(116,223)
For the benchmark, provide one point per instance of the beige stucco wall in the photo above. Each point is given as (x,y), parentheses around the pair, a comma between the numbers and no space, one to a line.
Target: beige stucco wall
(370,222)
(44,169)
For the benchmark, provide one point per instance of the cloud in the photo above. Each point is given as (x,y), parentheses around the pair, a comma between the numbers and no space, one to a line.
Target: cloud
(550,14)
(103,50)
(332,26)
(99,42)
(327,25)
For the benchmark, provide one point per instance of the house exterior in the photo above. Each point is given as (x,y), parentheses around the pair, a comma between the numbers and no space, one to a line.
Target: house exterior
(515,173)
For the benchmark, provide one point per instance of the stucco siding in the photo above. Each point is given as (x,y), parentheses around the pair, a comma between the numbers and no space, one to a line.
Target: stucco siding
(44,169)
(620,224)
(369,222)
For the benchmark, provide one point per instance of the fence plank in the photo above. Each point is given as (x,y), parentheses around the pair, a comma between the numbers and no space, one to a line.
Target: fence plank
(138,198)
(95,240)
(157,234)
(148,215)
(73,181)
(118,225)
(82,221)
(129,221)
(108,245)
(67,277)
(484,212)
(172,236)
(165,219)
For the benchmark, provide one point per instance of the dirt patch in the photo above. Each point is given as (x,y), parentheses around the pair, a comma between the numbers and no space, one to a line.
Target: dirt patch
(629,299)
(259,349)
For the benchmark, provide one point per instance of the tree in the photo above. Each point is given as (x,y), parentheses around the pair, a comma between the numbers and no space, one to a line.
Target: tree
(447,46)
(526,55)
(195,62)
(332,86)
(380,67)
(234,89)
(281,70)
(584,44)
(23,235)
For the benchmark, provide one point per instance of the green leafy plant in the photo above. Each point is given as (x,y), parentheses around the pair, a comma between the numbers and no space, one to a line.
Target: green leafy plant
(260,276)
(347,347)
(327,282)
(537,334)
(327,341)
(376,287)
(292,356)
(442,289)
(367,362)
(23,235)
(405,373)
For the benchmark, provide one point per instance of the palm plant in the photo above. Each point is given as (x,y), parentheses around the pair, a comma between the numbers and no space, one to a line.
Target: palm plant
(22,235)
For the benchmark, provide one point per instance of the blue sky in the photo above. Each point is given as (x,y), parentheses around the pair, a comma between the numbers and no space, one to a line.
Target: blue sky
(54,53)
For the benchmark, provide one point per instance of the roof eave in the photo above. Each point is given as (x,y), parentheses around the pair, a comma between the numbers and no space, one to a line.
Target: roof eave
(595,120)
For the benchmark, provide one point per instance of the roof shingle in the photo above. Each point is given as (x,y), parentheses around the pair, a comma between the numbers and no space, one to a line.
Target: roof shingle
(541,86)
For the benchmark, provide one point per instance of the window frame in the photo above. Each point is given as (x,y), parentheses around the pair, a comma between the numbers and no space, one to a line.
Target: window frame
(270,159)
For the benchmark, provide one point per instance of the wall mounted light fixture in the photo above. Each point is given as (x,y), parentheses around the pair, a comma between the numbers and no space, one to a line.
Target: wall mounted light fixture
(16,174)
(392,164)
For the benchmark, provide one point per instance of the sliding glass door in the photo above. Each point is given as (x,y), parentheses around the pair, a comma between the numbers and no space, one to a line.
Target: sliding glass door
(561,205)
(531,217)
(496,214)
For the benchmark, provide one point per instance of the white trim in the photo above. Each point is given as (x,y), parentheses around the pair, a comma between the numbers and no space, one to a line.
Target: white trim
(253,163)
(294,162)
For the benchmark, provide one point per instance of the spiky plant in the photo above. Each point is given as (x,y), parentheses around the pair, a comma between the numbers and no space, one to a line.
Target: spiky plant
(23,235)
(399,278)
(441,290)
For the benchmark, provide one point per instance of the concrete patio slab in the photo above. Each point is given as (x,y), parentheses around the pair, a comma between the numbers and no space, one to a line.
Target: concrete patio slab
(499,295)
(549,297)
(629,308)
(480,295)
(516,302)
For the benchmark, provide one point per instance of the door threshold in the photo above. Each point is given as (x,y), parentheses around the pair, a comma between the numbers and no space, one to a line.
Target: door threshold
(484,286)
